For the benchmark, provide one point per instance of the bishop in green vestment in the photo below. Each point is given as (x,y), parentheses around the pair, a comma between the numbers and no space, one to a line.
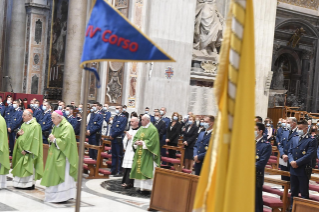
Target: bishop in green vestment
(147,155)
(27,160)
(61,169)
(4,153)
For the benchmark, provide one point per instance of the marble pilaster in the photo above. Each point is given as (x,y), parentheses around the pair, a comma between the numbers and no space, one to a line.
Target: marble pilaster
(74,45)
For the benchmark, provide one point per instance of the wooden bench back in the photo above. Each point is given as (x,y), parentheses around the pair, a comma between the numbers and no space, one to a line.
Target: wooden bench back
(305,205)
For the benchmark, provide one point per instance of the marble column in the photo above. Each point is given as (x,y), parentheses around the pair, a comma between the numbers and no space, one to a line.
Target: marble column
(265,16)
(16,42)
(72,81)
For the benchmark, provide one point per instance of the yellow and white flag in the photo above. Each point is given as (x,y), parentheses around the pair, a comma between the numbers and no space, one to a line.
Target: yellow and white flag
(227,181)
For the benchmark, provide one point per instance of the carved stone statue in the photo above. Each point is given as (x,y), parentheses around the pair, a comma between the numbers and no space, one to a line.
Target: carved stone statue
(208,28)
(294,40)
(278,78)
(292,101)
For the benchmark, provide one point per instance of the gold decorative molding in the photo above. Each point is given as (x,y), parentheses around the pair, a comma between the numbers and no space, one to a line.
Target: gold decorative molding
(310,4)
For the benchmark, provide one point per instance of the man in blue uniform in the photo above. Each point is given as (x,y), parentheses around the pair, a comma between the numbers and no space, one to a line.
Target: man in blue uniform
(69,116)
(14,124)
(284,144)
(201,145)
(280,130)
(62,107)
(116,135)
(37,112)
(263,152)
(106,113)
(8,110)
(153,117)
(301,152)
(2,107)
(46,121)
(94,126)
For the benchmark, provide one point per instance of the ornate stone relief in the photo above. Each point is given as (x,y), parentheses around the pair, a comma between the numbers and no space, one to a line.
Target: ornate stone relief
(114,87)
(310,4)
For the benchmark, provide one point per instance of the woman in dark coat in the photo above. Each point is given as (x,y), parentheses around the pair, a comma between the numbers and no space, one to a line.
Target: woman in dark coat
(172,134)
(190,136)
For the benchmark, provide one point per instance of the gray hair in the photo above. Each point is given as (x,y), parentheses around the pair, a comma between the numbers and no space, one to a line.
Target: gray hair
(146,116)
(28,112)
(135,119)
(293,119)
(58,115)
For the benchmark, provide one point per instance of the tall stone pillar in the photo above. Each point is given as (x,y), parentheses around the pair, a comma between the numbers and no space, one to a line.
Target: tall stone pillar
(72,79)
(15,57)
(265,16)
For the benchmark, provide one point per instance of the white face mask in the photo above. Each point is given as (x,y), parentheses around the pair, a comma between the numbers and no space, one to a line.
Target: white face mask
(256,134)
(288,126)
(300,132)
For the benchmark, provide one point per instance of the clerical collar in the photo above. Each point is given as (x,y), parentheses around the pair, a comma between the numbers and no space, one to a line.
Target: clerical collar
(259,139)
(147,125)
(28,122)
(135,128)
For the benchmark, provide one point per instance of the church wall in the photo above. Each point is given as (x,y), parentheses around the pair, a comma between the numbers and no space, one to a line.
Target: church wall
(169,24)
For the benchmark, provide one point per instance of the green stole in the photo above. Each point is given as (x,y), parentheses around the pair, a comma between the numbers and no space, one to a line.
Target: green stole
(4,150)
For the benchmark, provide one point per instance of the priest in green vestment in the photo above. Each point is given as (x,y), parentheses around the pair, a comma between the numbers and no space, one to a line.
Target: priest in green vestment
(4,153)
(147,155)
(27,160)
(61,168)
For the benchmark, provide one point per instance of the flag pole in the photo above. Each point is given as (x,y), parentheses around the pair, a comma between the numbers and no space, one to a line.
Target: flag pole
(82,140)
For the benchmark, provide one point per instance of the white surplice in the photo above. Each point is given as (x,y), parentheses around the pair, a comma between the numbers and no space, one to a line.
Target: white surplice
(3,180)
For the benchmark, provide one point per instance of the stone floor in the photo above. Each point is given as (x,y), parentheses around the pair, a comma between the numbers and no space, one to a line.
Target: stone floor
(94,198)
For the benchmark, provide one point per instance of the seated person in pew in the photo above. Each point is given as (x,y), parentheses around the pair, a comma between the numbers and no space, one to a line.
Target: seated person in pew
(263,152)
(4,153)
(60,175)
(201,145)
(129,153)
(302,149)
(147,155)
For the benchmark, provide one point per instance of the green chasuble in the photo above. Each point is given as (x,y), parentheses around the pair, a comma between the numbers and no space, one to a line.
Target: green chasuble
(30,141)
(65,148)
(4,150)
(143,165)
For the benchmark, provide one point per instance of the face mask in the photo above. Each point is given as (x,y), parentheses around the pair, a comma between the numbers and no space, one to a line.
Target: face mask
(175,118)
(156,118)
(256,134)
(146,112)
(313,130)
(60,108)
(206,125)
(190,122)
(67,113)
(283,124)
(31,105)
(36,105)
(8,101)
(15,106)
(111,122)
(300,132)
(124,109)
(105,108)
(80,109)
(288,126)
(117,111)
(44,107)
(279,122)
(268,125)
(92,110)
(318,125)
(162,112)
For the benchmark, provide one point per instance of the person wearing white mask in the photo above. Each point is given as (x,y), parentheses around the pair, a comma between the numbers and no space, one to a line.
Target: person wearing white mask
(80,108)
(280,130)
(9,110)
(284,144)
(14,124)
(62,107)
(172,134)
(37,112)
(46,122)
(190,136)
(202,143)
(69,116)
(161,128)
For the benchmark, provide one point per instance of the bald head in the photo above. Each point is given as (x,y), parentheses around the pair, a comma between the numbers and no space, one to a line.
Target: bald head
(134,122)
(56,118)
(27,115)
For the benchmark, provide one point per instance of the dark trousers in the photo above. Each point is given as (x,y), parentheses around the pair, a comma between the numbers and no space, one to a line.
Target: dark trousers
(98,139)
(259,199)
(198,167)
(92,152)
(126,177)
(172,153)
(45,140)
(117,155)
(285,168)
(299,184)
(12,138)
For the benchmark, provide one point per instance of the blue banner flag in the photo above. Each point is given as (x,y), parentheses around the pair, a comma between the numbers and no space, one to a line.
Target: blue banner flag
(110,36)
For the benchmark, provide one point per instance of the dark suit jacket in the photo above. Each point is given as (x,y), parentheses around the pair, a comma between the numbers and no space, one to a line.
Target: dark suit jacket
(191,135)
(161,128)
(173,134)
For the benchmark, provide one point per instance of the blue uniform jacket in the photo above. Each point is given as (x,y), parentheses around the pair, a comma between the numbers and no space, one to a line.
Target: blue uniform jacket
(78,127)
(302,152)
(167,121)
(106,115)
(284,143)
(263,152)
(2,109)
(152,119)
(201,145)
(118,126)
(72,121)
(95,123)
(278,134)
(8,113)
(37,114)
(46,121)
(15,119)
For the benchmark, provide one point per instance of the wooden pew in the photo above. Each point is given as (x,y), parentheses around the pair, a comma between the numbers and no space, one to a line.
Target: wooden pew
(173,191)
(285,173)
(305,205)
(178,164)
(106,146)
